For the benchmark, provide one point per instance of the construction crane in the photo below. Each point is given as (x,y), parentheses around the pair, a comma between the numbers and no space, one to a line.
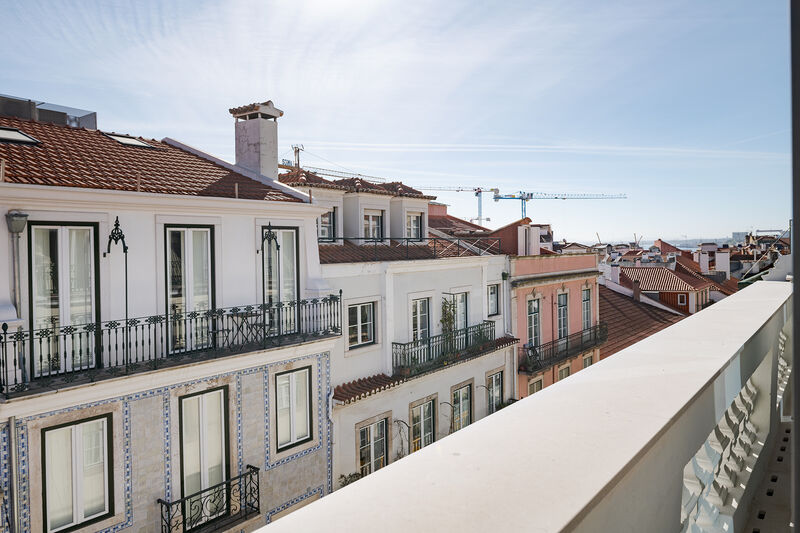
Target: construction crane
(477,191)
(523,197)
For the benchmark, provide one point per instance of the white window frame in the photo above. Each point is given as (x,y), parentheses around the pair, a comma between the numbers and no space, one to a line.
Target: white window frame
(330,226)
(370,468)
(427,425)
(493,307)
(76,438)
(412,232)
(463,393)
(373,224)
(681,299)
(494,391)
(292,377)
(419,332)
(360,325)
(533,384)
(534,322)
(562,315)
(461,300)
(586,307)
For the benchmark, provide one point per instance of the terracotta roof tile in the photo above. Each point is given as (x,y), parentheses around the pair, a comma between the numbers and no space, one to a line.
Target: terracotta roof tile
(359,185)
(629,321)
(661,279)
(300,177)
(361,388)
(400,189)
(78,157)
(692,268)
(454,225)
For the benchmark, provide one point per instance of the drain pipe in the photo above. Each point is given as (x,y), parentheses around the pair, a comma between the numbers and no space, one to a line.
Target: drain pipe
(12,504)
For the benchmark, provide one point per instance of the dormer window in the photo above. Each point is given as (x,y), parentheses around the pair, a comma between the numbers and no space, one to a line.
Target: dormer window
(414,226)
(373,224)
(326,226)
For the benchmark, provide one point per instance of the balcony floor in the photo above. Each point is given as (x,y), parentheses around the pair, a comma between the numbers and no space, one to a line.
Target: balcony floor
(770,511)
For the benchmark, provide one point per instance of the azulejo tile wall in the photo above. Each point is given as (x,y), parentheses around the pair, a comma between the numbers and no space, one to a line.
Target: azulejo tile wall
(131,514)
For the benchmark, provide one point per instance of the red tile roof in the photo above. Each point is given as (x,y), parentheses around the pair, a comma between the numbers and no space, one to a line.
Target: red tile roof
(361,251)
(361,388)
(629,321)
(359,185)
(299,177)
(661,279)
(692,268)
(454,225)
(400,189)
(78,157)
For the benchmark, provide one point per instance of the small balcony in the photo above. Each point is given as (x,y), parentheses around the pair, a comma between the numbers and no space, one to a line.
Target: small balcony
(423,355)
(58,356)
(217,508)
(536,358)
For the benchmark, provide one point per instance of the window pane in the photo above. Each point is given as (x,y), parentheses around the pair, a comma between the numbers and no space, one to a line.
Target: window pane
(416,429)
(94,474)
(366,323)
(176,271)
(284,398)
(58,459)
(201,271)
(364,457)
(192,477)
(301,407)
(352,321)
(288,266)
(80,276)
(215,438)
(45,283)
(379,445)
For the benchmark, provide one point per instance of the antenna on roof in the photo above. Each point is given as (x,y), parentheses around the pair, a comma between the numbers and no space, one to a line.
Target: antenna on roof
(297,148)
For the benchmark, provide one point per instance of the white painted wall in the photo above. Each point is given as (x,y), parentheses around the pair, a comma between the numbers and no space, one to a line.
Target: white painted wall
(354,206)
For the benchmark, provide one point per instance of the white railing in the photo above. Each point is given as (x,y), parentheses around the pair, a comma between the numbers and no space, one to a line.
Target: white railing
(671,434)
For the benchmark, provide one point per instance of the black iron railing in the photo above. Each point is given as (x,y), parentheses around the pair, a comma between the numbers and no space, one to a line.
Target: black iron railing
(386,249)
(216,508)
(535,358)
(423,355)
(49,356)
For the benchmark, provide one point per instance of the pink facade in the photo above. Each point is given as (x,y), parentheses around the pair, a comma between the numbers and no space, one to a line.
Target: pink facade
(543,278)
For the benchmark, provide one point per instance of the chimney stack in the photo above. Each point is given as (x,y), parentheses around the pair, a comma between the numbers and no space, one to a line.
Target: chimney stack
(257,137)
(637,292)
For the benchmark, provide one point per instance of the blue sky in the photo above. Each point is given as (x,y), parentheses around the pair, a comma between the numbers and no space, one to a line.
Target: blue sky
(683,106)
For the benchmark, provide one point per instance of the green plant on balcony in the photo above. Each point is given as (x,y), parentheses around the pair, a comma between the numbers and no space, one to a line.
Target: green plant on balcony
(345,480)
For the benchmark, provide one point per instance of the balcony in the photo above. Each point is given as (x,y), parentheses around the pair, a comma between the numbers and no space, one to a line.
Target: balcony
(674,433)
(216,508)
(423,355)
(59,356)
(536,358)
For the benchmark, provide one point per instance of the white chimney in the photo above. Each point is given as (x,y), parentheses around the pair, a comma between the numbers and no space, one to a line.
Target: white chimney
(703,262)
(257,138)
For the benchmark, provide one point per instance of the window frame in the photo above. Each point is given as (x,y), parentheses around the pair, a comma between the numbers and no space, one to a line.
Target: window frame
(682,297)
(456,313)
(331,225)
(534,382)
(490,385)
(297,267)
(415,312)
(211,256)
(536,326)
(369,424)
(496,311)
(589,358)
(367,220)
(294,442)
(359,325)
(562,318)
(109,473)
(561,370)
(410,215)
(420,404)
(457,389)
(586,308)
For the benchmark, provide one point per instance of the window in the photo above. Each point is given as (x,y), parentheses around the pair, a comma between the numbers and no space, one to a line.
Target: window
(373,224)
(493,298)
(563,373)
(495,391)
(681,299)
(279,264)
(414,226)
(204,451)
(127,139)
(587,361)
(534,386)
(586,307)
(372,449)
(563,317)
(293,391)
(461,310)
(462,407)
(534,330)
(77,473)
(326,226)
(16,136)
(63,294)
(361,324)
(422,425)
(420,318)
(188,285)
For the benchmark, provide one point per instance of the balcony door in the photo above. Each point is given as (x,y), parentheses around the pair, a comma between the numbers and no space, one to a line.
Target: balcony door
(563,321)
(420,329)
(203,456)
(189,287)
(62,260)
(280,283)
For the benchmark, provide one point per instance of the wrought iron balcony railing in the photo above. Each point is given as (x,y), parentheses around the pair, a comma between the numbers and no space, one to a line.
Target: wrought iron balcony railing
(535,358)
(60,355)
(423,355)
(216,508)
(395,249)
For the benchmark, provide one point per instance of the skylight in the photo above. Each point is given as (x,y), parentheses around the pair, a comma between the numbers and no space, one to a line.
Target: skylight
(126,139)
(15,136)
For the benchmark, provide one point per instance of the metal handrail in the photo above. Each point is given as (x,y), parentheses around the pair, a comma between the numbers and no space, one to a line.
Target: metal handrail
(104,349)
(214,508)
(424,247)
(422,355)
(535,358)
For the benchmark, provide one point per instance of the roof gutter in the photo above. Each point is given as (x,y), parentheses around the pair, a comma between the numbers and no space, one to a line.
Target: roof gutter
(274,183)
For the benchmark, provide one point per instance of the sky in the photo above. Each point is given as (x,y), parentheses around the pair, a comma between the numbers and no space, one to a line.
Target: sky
(683,106)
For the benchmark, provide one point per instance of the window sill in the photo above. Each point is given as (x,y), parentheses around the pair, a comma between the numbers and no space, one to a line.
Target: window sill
(359,347)
(493,315)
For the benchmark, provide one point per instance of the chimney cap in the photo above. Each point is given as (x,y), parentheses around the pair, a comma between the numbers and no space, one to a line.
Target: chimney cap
(265,109)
